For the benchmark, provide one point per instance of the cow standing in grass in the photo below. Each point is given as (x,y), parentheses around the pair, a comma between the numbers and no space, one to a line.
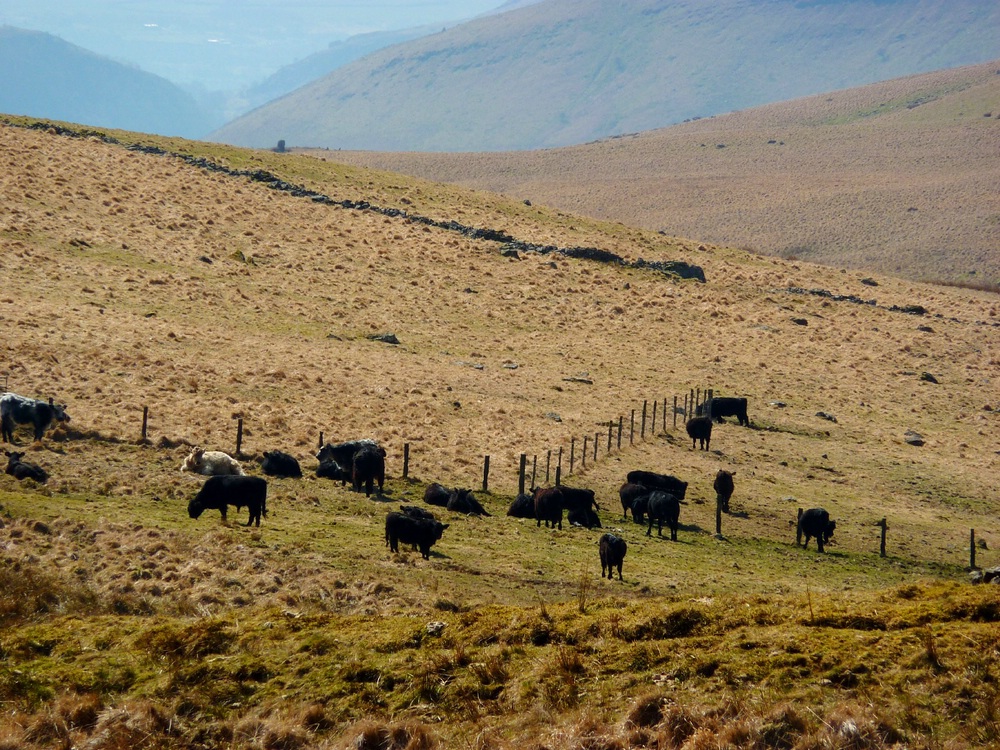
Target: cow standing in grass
(15,410)
(238,490)
(612,549)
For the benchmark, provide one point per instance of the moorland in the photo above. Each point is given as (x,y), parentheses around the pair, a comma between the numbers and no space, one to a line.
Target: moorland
(897,177)
(137,275)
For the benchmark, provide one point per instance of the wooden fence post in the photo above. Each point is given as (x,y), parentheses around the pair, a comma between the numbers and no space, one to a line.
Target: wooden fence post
(620,421)
(631,433)
(610,429)
(642,430)
(584,454)
(520,474)
(881,548)
(664,414)
(798,529)
(486,474)
(559,467)
(597,436)
(652,423)
(534,468)
(145,421)
(718,517)
(972,549)
(572,453)
(239,436)
(548,463)
(406,460)
(675,412)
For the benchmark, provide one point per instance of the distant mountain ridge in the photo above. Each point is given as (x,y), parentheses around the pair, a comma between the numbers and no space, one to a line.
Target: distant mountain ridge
(42,75)
(564,72)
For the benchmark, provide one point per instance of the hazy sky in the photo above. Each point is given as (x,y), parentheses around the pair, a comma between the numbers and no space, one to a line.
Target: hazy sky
(223,44)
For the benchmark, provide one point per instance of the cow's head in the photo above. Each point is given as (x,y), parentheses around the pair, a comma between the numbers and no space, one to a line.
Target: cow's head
(828,531)
(58,411)
(195,508)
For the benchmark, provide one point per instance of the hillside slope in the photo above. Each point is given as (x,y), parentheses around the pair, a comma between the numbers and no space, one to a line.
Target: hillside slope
(564,72)
(200,282)
(896,177)
(44,76)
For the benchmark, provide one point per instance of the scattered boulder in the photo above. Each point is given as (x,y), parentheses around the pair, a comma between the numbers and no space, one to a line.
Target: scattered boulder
(914,438)
(827,416)
(800,321)
(385,338)
(928,378)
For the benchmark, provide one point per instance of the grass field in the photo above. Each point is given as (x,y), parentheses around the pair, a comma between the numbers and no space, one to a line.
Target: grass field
(140,280)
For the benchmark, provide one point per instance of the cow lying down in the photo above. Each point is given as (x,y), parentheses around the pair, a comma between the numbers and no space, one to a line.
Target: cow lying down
(211,463)
(20,469)
(237,490)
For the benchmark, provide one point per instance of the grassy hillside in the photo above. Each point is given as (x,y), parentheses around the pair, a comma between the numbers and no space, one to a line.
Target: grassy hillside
(135,278)
(897,177)
(564,72)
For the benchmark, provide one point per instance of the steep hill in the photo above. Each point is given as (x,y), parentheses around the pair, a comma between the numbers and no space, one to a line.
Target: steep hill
(210,284)
(44,76)
(896,177)
(565,72)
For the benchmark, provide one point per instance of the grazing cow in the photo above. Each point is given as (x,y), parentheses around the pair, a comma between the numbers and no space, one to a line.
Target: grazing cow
(699,429)
(369,467)
(724,488)
(437,494)
(15,410)
(20,469)
(664,482)
(278,464)
(640,506)
(663,507)
(237,490)
(613,549)
(330,469)
(522,507)
(343,454)
(629,493)
(401,527)
(211,463)
(463,501)
(815,522)
(548,506)
(726,407)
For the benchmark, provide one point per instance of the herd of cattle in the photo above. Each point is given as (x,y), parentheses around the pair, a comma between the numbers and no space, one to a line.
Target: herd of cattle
(651,498)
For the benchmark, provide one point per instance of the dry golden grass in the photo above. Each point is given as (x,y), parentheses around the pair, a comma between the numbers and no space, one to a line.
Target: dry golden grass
(897,177)
(110,305)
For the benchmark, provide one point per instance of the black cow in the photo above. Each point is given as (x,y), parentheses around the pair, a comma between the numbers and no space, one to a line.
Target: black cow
(463,501)
(629,493)
(437,494)
(522,507)
(238,490)
(548,506)
(330,469)
(15,410)
(663,507)
(578,499)
(613,549)
(815,522)
(585,517)
(422,532)
(653,481)
(369,468)
(724,487)
(699,429)
(726,407)
(640,506)
(417,512)
(20,469)
(278,464)
(343,454)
